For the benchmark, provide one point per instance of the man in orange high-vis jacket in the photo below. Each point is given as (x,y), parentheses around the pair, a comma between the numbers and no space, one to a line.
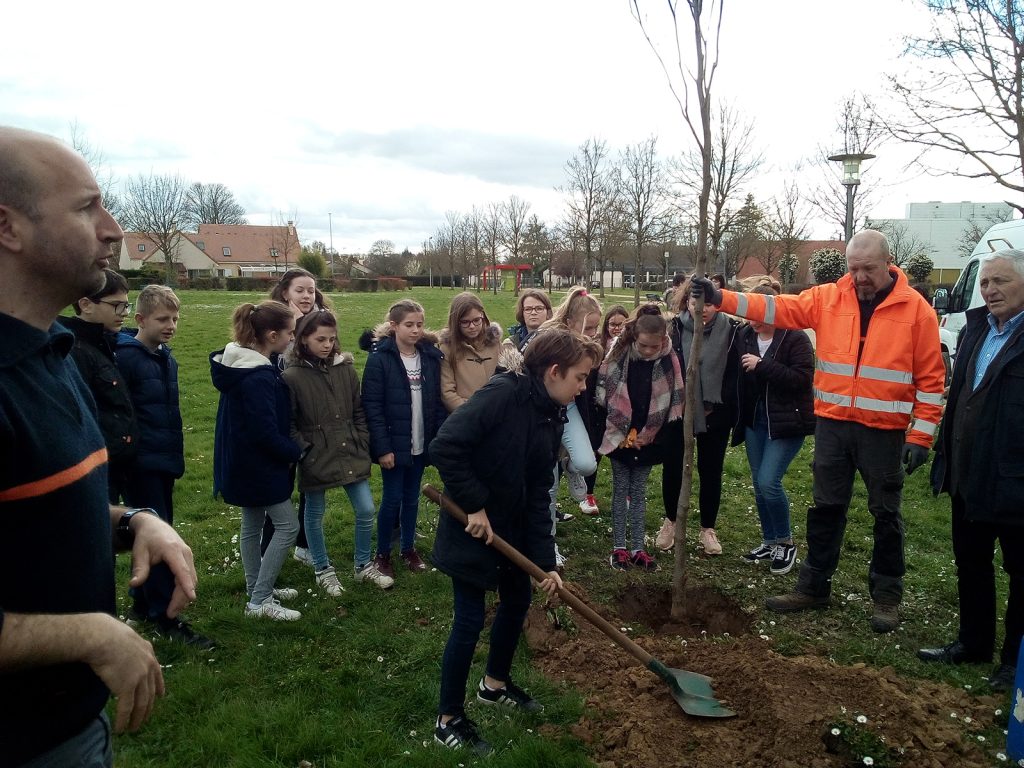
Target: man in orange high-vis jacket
(878,388)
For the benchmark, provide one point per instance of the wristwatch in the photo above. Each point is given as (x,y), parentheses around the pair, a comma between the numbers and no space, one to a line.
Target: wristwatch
(124,534)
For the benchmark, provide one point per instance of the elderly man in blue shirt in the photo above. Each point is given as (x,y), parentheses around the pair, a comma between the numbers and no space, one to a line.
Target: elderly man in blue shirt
(980,464)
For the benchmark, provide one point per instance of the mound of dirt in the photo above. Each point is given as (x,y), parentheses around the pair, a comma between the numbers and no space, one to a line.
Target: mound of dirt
(785,706)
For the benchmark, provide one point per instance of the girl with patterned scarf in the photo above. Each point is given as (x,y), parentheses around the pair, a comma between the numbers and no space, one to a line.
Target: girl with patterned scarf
(641,387)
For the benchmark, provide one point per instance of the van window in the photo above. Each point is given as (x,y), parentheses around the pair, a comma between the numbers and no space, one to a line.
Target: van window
(960,297)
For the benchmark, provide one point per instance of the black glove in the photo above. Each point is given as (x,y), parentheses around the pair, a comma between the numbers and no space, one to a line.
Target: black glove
(701,286)
(913,456)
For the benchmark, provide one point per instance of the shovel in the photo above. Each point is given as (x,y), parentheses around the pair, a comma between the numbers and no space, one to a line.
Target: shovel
(692,691)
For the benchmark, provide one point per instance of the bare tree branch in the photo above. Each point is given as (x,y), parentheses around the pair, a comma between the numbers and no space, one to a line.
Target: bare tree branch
(964,108)
(154,207)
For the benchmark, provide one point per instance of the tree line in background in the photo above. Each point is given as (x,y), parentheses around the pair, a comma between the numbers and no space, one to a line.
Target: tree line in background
(635,210)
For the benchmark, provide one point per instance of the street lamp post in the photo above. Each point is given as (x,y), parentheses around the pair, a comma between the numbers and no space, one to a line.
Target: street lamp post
(667,257)
(851,179)
(330,229)
(430,261)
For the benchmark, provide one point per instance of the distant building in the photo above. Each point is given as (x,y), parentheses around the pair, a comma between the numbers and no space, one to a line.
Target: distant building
(220,250)
(941,228)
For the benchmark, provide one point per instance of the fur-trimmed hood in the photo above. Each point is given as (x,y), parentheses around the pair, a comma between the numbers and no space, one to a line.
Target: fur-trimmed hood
(368,339)
(342,358)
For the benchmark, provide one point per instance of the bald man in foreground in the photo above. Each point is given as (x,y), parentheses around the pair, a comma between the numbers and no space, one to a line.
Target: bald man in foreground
(62,650)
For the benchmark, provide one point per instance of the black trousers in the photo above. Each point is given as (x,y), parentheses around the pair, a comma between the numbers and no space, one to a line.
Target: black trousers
(973,548)
(841,449)
(710,450)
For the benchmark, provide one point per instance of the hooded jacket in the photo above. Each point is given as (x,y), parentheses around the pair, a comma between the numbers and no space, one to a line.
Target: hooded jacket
(253,452)
(783,380)
(328,423)
(152,381)
(387,399)
(466,368)
(93,353)
(498,453)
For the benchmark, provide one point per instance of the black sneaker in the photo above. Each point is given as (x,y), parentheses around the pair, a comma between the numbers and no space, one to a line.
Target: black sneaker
(783,559)
(510,696)
(460,732)
(759,554)
(563,517)
(181,632)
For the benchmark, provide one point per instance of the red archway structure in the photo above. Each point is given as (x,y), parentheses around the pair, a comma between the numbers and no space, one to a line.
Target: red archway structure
(519,269)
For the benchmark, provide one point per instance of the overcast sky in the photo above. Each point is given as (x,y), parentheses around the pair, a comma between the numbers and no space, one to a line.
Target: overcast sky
(388,114)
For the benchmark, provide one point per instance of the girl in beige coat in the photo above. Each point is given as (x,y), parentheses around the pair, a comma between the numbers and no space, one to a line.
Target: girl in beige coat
(471,344)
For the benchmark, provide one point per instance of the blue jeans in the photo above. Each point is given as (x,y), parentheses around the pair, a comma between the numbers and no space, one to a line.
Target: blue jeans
(89,749)
(362,503)
(514,595)
(769,459)
(261,572)
(399,503)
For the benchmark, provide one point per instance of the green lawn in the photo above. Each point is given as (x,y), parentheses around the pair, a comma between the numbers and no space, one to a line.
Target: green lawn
(360,689)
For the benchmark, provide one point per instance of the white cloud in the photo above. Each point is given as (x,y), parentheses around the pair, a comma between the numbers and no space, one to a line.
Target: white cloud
(389,114)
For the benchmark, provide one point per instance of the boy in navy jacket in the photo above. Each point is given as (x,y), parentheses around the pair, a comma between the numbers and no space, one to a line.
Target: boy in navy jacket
(150,374)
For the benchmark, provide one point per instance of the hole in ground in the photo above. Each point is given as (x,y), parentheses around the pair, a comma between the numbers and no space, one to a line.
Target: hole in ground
(706,610)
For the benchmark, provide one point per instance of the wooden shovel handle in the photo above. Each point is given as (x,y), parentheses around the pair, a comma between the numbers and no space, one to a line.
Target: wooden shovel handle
(539,574)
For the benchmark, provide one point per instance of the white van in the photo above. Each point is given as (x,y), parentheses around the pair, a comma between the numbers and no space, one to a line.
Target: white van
(966,294)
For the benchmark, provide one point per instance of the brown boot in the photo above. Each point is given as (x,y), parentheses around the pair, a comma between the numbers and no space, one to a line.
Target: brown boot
(885,618)
(794,601)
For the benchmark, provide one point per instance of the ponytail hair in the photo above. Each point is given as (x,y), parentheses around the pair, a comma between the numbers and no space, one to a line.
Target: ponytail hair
(401,308)
(647,318)
(252,322)
(577,304)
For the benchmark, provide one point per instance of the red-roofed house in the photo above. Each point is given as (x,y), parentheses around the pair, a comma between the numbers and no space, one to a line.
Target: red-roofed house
(220,250)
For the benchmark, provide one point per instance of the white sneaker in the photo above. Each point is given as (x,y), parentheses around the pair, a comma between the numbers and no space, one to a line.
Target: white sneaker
(589,505)
(577,485)
(303,556)
(327,580)
(372,574)
(709,540)
(271,609)
(560,559)
(285,593)
(666,538)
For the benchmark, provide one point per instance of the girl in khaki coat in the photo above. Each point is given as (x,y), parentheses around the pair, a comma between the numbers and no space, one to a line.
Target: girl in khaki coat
(471,344)
(329,424)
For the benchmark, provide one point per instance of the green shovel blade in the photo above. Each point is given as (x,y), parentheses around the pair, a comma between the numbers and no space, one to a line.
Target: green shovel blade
(692,691)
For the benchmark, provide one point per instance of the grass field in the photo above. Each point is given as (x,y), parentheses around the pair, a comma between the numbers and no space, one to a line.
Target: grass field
(360,689)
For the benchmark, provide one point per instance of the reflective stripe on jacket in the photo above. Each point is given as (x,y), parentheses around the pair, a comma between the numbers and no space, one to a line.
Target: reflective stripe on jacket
(898,380)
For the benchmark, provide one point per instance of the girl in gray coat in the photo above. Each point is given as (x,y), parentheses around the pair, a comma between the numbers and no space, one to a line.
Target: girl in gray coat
(329,424)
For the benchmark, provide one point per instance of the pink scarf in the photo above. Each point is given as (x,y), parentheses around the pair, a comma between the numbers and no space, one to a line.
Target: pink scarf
(666,396)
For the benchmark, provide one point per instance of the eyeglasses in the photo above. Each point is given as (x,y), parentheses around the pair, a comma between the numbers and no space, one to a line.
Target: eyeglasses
(534,310)
(119,307)
(469,323)
(616,325)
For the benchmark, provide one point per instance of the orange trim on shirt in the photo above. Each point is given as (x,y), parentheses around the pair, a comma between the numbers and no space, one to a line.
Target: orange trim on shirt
(57,480)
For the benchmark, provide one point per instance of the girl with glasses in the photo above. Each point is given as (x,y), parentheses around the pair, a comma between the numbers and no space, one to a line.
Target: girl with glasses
(471,344)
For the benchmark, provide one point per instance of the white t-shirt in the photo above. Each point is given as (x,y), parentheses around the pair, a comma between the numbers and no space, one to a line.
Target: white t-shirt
(762,345)
(414,370)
